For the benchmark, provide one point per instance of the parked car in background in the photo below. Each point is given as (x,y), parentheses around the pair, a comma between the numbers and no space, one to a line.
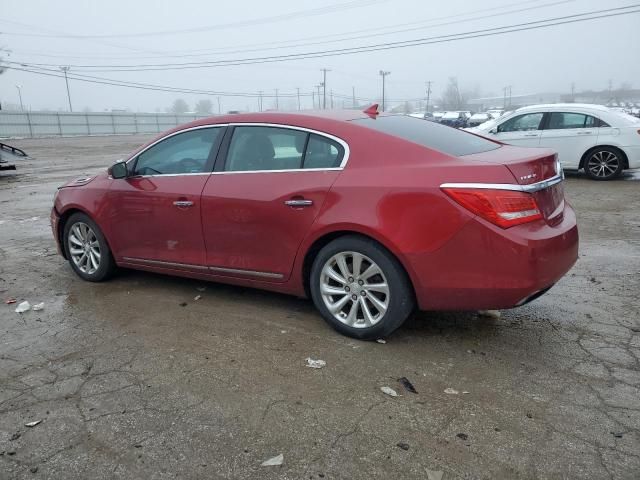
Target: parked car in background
(478,119)
(597,139)
(437,116)
(455,119)
(310,204)
(495,112)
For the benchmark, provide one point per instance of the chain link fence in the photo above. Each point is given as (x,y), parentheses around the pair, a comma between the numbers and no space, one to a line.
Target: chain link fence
(62,124)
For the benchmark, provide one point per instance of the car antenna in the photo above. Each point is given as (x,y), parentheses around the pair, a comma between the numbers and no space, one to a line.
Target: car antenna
(372,111)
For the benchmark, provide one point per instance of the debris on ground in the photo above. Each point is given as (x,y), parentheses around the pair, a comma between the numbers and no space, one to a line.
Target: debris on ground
(408,386)
(9,301)
(403,445)
(381,340)
(38,306)
(311,363)
(451,391)
(489,313)
(273,462)
(389,391)
(462,436)
(529,415)
(197,297)
(32,424)
(23,307)
(465,392)
(617,434)
(183,304)
(33,469)
(15,436)
(434,474)
(201,289)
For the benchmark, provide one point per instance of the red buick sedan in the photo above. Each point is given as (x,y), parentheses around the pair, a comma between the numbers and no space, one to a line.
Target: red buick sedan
(370,215)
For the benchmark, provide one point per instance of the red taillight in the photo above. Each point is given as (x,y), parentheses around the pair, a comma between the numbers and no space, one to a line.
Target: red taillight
(504,208)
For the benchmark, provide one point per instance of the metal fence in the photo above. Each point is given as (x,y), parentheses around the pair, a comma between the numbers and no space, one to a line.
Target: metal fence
(60,124)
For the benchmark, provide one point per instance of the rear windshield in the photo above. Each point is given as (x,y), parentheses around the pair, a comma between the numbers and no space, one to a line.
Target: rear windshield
(429,134)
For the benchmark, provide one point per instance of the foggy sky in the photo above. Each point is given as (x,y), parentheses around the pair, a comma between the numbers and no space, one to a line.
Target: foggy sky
(588,53)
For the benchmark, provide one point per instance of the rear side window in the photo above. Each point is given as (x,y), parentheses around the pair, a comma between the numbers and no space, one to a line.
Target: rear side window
(429,134)
(322,152)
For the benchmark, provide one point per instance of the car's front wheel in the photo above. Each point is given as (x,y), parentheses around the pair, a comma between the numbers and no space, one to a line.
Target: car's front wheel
(360,289)
(87,249)
(604,164)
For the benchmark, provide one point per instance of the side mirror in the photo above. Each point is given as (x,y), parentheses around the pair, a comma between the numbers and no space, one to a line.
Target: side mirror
(118,170)
(494,130)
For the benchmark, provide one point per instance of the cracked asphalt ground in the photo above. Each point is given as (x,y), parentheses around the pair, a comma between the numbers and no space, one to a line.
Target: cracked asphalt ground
(129,384)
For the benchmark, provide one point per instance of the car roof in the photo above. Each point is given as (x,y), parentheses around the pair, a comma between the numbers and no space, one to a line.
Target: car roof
(293,118)
(556,106)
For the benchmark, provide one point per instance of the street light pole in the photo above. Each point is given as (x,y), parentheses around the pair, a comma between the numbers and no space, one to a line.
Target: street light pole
(429,82)
(65,70)
(298,90)
(383,74)
(19,87)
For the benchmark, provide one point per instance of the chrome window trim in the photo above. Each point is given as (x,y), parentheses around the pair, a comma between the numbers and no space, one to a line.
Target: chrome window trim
(534,187)
(345,145)
(343,163)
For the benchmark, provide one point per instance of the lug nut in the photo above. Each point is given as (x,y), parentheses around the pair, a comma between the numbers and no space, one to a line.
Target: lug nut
(347,289)
(360,282)
(350,279)
(364,294)
(354,296)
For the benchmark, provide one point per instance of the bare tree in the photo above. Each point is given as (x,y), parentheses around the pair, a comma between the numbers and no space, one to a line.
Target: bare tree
(452,99)
(179,106)
(204,106)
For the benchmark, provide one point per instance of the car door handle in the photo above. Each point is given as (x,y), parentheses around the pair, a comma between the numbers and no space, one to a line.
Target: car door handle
(298,202)
(584,133)
(183,203)
(531,134)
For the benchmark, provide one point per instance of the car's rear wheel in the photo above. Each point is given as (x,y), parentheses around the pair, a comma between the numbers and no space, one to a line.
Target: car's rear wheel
(360,289)
(604,164)
(87,249)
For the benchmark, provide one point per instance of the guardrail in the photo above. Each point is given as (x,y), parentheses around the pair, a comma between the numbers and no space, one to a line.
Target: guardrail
(62,124)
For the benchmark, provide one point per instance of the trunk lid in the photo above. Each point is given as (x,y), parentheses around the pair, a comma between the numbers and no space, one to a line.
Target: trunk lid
(530,166)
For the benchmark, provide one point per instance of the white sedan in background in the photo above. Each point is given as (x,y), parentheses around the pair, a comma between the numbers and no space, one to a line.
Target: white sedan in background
(590,137)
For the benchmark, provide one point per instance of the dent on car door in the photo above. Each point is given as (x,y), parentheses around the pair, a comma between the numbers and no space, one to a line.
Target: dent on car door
(570,134)
(259,207)
(155,211)
(522,130)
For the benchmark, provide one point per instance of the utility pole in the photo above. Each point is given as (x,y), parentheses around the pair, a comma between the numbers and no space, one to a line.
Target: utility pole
(318,87)
(298,90)
(573,91)
(65,70)
(429,82)
(219,107)
(353,93)
(383,74)
(259,100)
(324,86)
(507,89)
(509,96)
(277,104)
(19,87)
(313,99)
(332,99)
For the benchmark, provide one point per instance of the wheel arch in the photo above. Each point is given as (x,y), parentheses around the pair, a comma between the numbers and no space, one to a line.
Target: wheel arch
(64,218)
(321,241)
(586,154)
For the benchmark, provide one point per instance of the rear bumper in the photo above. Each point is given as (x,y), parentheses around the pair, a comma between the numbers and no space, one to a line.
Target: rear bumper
(485,267)
(633,155)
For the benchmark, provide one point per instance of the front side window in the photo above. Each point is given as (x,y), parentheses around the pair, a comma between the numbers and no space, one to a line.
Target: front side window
(522,123)
(186,152)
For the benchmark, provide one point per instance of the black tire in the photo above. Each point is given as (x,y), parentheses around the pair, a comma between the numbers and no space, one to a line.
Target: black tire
(400,300)
(604,163)
(106,264)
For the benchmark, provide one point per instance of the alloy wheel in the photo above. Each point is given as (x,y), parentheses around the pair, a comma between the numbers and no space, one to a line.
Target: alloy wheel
(603,164)
(84,248)
(354,289)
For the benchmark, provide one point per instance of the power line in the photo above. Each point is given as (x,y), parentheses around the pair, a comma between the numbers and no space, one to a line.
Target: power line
(563,20)
(244,23)
(342,38)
